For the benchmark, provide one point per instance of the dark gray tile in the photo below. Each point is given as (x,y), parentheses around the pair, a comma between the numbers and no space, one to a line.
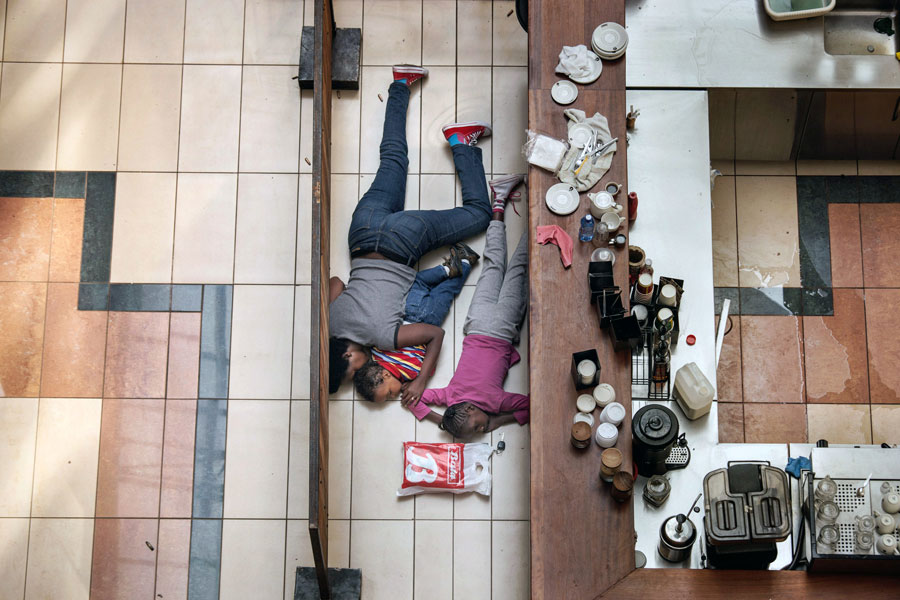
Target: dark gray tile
(346,584)
(93,296)
(879,188)
(215,341)
(720,293)
(187,298)
(99,210)
(69,184)
(140,297)
(205,565)
(209,459)
(818,302)
(810,187)
(771,301)
(26,184)
(841,189)
(815,241)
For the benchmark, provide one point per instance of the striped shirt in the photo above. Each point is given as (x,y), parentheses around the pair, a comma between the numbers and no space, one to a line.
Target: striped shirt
(405,364)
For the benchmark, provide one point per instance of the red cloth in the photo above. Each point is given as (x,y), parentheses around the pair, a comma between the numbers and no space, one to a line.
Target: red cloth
(555,234)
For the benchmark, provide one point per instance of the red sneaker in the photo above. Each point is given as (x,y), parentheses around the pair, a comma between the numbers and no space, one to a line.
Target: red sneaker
(410,73)
(467,133)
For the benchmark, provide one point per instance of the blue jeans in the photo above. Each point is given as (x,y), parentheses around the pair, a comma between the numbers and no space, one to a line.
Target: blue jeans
(380,224)
(432,294)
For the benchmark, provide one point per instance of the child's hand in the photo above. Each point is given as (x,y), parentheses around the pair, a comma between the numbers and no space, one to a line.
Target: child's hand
(411,392)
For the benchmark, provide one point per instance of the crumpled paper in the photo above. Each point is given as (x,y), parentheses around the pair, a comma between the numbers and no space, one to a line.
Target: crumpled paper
(574,61)
(595,167)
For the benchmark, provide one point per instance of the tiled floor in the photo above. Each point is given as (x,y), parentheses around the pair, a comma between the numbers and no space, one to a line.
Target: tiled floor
(806,254)
(154,300)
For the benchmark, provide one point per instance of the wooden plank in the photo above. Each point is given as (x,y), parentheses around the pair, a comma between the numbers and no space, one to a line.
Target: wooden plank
(320,275)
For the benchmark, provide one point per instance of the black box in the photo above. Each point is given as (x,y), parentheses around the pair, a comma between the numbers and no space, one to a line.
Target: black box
(609,305)
(577,357)
(625,332)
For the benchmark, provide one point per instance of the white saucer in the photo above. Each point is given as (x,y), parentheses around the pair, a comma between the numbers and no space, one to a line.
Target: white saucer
(609,40)
(564,92)
(562,199)
(596,69)
(580,134)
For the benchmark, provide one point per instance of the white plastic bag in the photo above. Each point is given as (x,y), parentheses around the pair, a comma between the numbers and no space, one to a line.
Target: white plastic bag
(454,468)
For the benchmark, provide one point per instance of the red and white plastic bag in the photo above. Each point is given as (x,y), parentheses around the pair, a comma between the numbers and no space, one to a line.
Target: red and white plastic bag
(454,468)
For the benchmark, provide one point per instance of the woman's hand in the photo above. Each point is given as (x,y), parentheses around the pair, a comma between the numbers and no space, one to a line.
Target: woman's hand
(411,392)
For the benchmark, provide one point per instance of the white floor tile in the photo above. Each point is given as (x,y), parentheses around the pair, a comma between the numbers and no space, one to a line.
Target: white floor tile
(18,429)
(511,560)
(151,110)
(398,24)
(434,542)
(210,118)
(266,229)
(439,32)
(271,32)
(261,335)
(34,31)
(144,228)
(298,472)
(252,559)
(510,119)
(270,120)
(384,552)
(256,459)
(375,83)
(204,228)
(89,117)
(214,31)
(14,533)
(304,230)
(340,459)
(154,31)
(438,109)
(345,192)
(29,116)
(511,474)
(345,141)
(473,22)
(300,387)
(59,559)
(306,131)
(378,436)
(65,466)
(473,103)
(510,40)
(299,551)
(95,30)
(347,12)
(471,560)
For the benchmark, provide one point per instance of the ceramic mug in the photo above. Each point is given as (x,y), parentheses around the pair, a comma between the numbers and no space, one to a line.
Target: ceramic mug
(613,220)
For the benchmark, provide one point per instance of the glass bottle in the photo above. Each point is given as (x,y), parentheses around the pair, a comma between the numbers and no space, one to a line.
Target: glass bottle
(601,235)
(647,267)
(586,233)
(661,362)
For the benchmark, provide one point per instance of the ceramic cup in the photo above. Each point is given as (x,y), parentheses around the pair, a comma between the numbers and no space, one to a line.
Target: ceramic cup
(584,418)
(613,220)
(585,403)
(606,435)
(613,413)
(604,394)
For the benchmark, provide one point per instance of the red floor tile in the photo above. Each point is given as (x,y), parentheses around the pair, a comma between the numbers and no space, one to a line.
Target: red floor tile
(178,459)
(846,252)
(25,225)
(837,369)
(728,374)
(172,564)
(136,355)
(124,562)
(184,355)
(774,423)
(65,247)
(22,307)
(731,423)
(880,244)
(74,346)
(882,325)
(772,359)
(131,439)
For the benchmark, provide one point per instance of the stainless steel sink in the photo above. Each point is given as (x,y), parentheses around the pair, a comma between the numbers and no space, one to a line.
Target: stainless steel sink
(851,27)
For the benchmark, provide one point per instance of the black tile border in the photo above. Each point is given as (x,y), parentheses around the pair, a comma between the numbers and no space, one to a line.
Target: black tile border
(140,297)
(93,296)
(70,184)
(26,184)
(187,298)
(783,301)
(99,211)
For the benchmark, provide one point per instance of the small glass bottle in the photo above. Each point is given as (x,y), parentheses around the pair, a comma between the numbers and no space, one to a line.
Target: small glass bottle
(601,235)
(661,362)
(647,267)
(586,233)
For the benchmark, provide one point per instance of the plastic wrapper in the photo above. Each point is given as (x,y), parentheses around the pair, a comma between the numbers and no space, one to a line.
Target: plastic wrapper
(544,151)
(454,468)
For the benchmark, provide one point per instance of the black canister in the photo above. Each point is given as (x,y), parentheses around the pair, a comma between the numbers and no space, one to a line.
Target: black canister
(655,429)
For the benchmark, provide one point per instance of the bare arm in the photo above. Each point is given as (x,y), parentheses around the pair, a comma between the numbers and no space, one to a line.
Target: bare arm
(435,417)
(499,420)
(433,338)
(335,288)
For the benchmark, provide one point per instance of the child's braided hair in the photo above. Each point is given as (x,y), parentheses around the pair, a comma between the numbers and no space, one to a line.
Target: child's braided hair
(454,418)
(367,379)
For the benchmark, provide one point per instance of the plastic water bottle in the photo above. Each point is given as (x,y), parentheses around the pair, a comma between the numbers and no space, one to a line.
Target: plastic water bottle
(586,233)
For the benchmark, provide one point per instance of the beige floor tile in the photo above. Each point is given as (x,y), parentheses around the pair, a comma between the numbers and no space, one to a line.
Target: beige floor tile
(511,560)
(434,506)
(214,32)
(270,32)
(304,230)
(726,167)
(768,246)
(210,118)
(471,559)
(724,231)
(826,167)
(204,228)
(14,533)
(256,460)
(511,473)
(340,448)
(473,103)
(384,551)
(270,120)
(345,139)
(299,552)
(439,32)
(345,192)
(89,117)
(399,38)
(35,30)
(885,424)
(510,119)
(438,109)
(375,83)
(252,559)
(151,107)
(839,423)
(144,228)
(300,380)
(378,436)
(434,580)
(306,131)
(298,474)
(29,115)
(95,30)
(261,333)
(510,40)
(2,22)
(18,428)
(265,243)
(59,559)
(349,12)
(473,21)
(764,167)
(879,167)
(65,466)
(154,31)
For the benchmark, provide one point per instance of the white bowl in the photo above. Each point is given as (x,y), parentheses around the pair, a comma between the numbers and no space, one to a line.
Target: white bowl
(564,92)
(562,199)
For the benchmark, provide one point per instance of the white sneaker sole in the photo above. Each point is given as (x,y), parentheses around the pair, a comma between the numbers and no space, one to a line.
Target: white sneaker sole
(487,128)
(410,69)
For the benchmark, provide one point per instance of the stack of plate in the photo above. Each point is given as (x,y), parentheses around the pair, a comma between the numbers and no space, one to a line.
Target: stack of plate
(609,41)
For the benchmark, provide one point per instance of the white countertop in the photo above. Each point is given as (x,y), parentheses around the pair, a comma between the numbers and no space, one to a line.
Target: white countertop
(734,44)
